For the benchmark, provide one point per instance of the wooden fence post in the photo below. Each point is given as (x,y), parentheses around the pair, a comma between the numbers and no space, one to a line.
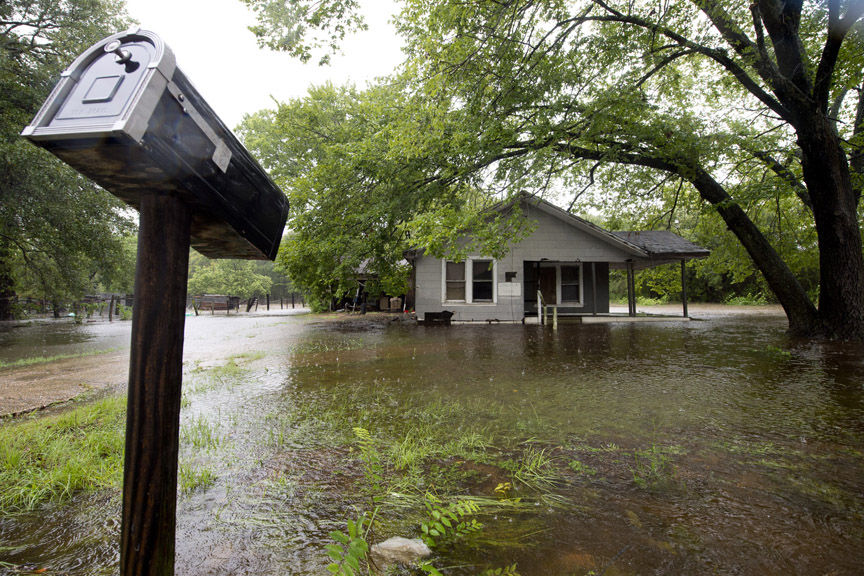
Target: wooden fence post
(155,374)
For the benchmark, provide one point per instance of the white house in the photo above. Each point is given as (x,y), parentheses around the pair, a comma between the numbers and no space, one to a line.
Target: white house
(566,260)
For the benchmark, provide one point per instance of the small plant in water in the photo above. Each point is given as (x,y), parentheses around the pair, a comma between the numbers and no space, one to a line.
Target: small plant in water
(373,469)
(200,433)
(350,549)
(502,490)
(652,467)
(448,522)
(581,468)
(191,478)
(536,469)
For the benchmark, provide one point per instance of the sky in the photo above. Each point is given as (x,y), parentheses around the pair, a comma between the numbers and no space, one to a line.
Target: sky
(220,56)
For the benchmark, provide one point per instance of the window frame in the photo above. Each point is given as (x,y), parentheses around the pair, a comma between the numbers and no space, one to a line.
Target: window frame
(469,281)
(444,282)
(559,286)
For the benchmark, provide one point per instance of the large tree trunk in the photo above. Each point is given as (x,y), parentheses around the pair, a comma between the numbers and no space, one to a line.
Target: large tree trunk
(802,315)
(841,264)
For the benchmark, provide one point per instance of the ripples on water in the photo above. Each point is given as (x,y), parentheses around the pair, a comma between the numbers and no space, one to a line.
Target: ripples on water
(757,441)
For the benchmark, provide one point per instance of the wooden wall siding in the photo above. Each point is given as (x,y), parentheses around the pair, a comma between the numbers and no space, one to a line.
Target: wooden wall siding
(552,240)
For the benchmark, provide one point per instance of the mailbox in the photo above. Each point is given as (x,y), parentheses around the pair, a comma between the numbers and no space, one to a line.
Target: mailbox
(127,117)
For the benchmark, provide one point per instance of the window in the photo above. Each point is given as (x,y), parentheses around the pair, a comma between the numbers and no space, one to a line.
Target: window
(571,283)
(455,281)
(481,281)
(472,281)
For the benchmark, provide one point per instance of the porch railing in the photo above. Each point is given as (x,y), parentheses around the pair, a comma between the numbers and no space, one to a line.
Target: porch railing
(543,311)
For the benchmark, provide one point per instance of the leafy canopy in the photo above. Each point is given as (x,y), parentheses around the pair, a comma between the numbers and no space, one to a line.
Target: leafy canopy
(60,235)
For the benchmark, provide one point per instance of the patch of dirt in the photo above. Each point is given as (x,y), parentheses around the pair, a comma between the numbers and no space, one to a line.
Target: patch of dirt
(38,386)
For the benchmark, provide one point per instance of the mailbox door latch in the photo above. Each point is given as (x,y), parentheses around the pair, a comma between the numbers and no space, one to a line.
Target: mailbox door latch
(221,154)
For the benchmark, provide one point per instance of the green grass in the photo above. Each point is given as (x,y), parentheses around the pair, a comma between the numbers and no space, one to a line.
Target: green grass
(653,467)
(536,469)
(200,433)
(46,359)
(49,458)
(191,478)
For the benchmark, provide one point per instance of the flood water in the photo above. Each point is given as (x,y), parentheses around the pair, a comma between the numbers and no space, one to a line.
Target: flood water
(717,446)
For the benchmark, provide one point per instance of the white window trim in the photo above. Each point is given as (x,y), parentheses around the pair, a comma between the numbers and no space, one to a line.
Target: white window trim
(572,303)
(444,299)
(469,283)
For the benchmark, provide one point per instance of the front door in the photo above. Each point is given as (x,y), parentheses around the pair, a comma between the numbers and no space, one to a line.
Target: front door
(547,281)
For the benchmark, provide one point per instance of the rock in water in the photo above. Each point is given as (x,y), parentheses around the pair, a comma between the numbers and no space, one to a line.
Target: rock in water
(399,550)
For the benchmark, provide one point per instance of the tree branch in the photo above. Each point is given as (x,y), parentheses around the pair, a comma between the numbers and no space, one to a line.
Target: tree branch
(718,56)
(786,175)
(837,30)
(780,278)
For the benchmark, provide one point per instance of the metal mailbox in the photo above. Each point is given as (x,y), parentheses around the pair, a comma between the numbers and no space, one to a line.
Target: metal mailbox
(127,117)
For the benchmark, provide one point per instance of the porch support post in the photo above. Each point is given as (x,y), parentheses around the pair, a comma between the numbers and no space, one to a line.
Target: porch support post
(593,288)
(631,290)
(684,288)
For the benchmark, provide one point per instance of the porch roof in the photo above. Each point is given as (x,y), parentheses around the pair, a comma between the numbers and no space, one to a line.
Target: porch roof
(662,246)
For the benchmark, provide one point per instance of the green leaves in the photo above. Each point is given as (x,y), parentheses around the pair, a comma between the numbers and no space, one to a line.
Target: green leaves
(448,522)
(60,235)
(350,549)
(358,167)
(229,277)
(304,27)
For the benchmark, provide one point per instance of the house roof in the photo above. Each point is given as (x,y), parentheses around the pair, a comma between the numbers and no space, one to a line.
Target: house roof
(648,248)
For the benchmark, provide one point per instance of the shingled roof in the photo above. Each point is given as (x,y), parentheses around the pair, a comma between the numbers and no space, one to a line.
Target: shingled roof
(663,244)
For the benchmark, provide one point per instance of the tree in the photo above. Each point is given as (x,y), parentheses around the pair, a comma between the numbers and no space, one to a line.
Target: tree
(540,92)
(355,179)
(60,235)
(229,277)
(677,88)
(302,27)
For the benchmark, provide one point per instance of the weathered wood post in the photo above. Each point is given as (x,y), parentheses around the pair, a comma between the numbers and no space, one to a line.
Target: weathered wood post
(684,288)
(155,375)
(631,290)
(124,115)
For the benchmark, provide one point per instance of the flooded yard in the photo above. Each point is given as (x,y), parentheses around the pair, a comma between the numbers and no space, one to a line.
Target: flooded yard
(717,446)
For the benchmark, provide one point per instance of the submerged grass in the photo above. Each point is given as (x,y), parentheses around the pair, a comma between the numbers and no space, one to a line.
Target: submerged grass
(200,433)
(47,359)
(192,477)
(48,458)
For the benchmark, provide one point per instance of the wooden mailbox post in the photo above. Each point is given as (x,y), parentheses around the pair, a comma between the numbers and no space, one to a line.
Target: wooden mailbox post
(124,115)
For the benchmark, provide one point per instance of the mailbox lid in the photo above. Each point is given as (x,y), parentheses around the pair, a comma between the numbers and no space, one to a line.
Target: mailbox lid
(111,89)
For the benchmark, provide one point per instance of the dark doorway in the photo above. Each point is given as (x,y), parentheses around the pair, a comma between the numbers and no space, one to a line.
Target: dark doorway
(547,280)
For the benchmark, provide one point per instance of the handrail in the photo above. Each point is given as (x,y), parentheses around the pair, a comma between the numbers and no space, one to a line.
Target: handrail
(543,311)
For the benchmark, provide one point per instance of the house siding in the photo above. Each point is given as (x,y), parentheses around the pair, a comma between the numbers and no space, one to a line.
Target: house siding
(552,240)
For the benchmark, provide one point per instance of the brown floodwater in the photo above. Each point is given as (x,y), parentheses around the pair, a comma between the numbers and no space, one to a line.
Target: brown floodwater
(718,446)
